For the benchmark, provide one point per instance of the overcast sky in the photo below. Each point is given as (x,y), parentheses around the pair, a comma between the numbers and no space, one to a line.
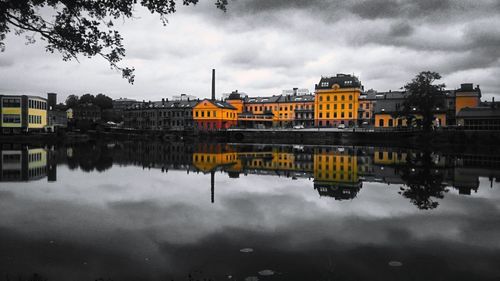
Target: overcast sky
(261,47)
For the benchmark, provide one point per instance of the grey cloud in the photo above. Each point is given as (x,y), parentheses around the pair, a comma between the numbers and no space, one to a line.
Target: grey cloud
(376,9)
(400,29)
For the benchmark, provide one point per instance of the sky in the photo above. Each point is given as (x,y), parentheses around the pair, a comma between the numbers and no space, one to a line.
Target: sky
(262,47)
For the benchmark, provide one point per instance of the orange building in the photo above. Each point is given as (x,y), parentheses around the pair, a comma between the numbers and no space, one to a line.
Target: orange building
(279,110)
(214,115)
(337,100)
(467,96)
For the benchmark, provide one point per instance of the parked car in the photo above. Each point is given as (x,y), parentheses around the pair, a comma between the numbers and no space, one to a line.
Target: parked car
(298,127)
(341,126)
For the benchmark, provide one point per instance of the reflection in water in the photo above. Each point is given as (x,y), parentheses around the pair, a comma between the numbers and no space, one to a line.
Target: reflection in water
(175,211)
(22,163)
(337,171)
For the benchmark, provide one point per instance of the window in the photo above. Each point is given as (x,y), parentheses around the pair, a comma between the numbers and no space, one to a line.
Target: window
(350,97)
(328,107)
(327,98)
(334,98)
(342,97)
(350,106)
(390,123)
(12,118)
(14,102)
(324,84)
(335,106)
(320,98)
(381,123)
(208,113)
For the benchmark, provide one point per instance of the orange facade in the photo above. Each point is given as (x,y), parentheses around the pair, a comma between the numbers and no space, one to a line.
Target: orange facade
(214,115)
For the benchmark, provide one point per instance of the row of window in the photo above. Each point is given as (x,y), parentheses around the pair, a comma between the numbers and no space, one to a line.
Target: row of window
(275,108)
(34,157)
(11,118)
(11,102)
(212,113)
(342,97)
(35,119)
(37,104)
(11,158)
(334,176)
(335,115)
(342,106)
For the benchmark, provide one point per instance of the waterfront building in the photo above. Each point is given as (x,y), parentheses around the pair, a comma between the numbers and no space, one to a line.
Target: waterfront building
(88,112)
(337,100)
(120,105)
(366,106)
(278,111)
(22,113)
(389,105)
(467,96)
(479,118)
(214,115)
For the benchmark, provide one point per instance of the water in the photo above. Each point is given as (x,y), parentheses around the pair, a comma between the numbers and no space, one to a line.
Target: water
(173,211)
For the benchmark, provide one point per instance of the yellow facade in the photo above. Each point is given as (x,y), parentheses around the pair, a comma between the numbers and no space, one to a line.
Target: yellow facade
(11,111)
(336,106)
(283,111)
(335,166)
(385,120)
(27,112)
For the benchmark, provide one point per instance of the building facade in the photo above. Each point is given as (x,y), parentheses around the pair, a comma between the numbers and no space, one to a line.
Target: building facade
(23,113)
(337,100)
(211,114)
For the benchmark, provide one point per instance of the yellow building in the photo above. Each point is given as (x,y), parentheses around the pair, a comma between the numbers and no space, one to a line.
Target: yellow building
(337,100)
(214,115)
(22,113)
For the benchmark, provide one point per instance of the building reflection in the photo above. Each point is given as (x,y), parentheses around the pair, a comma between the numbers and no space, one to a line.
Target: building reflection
(337,172)
(24,163)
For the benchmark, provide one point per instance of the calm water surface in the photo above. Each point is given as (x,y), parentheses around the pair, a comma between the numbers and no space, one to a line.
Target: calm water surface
(174,211)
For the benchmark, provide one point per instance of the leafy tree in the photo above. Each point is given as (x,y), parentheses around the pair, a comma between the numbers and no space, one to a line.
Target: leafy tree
(423,98)
(103,101)
(87,98)
(81,27)
(72,101)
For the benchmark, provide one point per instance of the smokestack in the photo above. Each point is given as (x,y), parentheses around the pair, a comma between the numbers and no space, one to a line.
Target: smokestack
(212,186)
(213,84)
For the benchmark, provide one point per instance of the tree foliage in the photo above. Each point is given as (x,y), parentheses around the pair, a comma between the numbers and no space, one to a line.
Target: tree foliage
(101,100)
(424,96)
(81,27)
(423,180)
